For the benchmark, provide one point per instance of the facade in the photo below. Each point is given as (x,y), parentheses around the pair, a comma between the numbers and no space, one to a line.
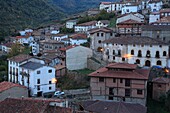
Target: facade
(6,48)
(162,21)
(155,5)
(143,51)
(129,9)
(161,32)
(102,23)
(50,45)
(119,82)
(14,67)
(9,89)
(165,12)
(70,24)
(111,7)
(58,37)
(37,77)
(129,27)
(84,27)
(78,38)
(161,86)
(153,17)
(76,57)
(97,36)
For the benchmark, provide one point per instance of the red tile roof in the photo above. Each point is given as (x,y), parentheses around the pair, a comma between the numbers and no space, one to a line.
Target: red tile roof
(95,30)
(7,85)
(165,10)
(161,80)
(30,105)
(106,3)
(122,66)
(79,36)
(163,20)
(134,40)
(131,74)
(130,21)
(68,47)
(88,23)
(112,107)
(20,58)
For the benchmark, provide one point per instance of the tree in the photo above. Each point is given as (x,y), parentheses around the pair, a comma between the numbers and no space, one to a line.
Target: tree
(16,49)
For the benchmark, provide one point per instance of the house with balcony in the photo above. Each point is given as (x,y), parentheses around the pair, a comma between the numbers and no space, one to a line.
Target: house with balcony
(119,82)
(37,77)
(144,51)
(98,35)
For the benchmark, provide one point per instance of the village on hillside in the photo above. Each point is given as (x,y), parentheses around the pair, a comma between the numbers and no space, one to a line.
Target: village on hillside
(111,59)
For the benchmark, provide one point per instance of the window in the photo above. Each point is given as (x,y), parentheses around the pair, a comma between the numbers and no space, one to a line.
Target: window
(38,81)
(50,71)
(157,54)
(113,57)
(159,86)
(160,46)
(119,52)
(111,34)
(137,61)
(127,92)
(114,80)
(164,53)
(132,52)
(97,34)
(49,82)
(148,54)
(113,52)
(123,59)
(99,41)
(49,88)
(121,80)
(127,82)
(101,79)
(159,63)
(102,34)
(111,91)
(38,87)
(139,53)
(139,91)
(38,72)
(127,10)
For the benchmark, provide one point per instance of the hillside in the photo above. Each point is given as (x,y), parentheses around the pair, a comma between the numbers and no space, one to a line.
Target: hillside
(20,14)
(74,6)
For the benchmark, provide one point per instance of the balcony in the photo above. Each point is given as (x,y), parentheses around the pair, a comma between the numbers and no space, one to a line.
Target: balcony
(24,74)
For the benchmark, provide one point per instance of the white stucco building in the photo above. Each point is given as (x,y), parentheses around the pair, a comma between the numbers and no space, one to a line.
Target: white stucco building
(37,77)
(129,9)
(143,51)
(70,23)
(153,17)
(32,73)
(84,27)
(59,37)
(77,39)
(155,6)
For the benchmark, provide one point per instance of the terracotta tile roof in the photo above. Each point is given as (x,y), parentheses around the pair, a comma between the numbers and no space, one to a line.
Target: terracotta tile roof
(20,58)
(156,27)
(95,30)
(9,44)
(79,36)
(161,80)
(130,21)
(49,41)
(134,40)
(7,85)
(88,23)
(59,35)
(68,47)
(113,107)
(131,74)
(29,105)
(122,66)
(165,10)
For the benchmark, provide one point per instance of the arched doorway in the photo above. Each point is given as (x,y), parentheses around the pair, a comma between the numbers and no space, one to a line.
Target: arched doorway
(147,63)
